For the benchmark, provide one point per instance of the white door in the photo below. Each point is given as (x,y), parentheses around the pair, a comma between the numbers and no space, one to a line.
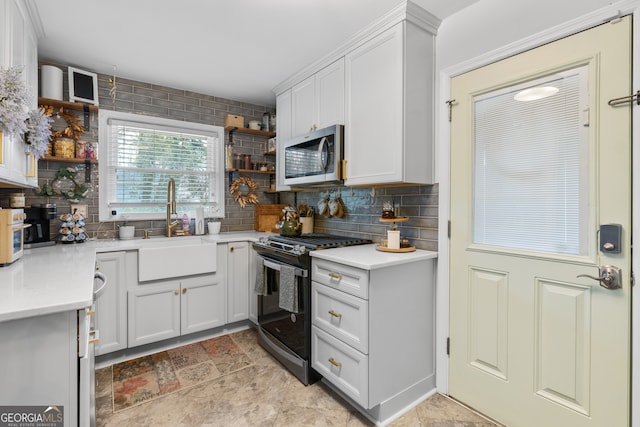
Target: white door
(532,182)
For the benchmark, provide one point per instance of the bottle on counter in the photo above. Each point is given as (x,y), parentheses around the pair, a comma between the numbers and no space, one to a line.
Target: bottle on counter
(185,223)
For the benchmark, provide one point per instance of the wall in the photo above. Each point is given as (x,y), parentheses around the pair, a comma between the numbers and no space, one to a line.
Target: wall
(363,205)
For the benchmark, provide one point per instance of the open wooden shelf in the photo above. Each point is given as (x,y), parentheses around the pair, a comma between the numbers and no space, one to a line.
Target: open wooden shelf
(396,219)
(248,131)
(67,104)
(251,171)
(63,159)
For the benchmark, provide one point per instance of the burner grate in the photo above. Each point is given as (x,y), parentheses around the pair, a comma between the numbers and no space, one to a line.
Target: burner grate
(320,241)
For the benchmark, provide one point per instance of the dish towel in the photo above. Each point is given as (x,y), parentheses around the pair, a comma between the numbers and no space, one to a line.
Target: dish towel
(260,287)
(288,289)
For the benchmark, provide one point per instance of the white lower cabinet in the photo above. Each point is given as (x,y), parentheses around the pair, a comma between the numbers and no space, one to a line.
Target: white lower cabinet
(237,280)
(111,306)
(154,313)
(341,364)
(372,333)
(164,309)
(40,359)
(202,303)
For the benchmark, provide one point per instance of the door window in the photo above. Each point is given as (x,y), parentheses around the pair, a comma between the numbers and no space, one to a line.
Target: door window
(531,165)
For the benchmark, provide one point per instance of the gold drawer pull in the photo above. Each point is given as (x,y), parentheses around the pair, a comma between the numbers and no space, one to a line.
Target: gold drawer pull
(334,363)
(94,341)
(184,290)
(334,314)
(335,275)
(90,313)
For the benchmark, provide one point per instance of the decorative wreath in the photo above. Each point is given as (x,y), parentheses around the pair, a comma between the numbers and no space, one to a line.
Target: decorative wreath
(243,198)
(74,129)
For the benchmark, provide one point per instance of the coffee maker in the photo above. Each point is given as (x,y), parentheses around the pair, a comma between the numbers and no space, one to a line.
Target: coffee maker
(39,216)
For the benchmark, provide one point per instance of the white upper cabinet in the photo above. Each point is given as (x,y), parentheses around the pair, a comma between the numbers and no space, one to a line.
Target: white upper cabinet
(318,101)
(389,108)
(315,103)
(379,84)
(18,47)
(283,108)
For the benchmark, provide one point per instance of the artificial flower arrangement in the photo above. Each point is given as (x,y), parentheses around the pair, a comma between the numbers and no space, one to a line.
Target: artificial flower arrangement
(15,116)
(38,132)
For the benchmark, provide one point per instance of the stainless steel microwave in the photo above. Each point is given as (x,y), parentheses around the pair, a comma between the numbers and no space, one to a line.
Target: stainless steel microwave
(313,158)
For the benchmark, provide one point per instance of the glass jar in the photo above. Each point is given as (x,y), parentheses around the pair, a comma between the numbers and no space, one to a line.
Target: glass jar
(238,161)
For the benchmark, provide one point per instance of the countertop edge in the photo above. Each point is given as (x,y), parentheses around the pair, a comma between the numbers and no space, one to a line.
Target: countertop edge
(59,278)
(367,257)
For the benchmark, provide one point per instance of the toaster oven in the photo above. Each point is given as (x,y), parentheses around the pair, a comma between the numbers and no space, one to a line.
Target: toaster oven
(11,235)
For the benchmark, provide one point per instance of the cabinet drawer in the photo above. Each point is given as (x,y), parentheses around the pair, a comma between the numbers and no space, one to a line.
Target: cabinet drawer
(354,281)
(342,315)
(342,365)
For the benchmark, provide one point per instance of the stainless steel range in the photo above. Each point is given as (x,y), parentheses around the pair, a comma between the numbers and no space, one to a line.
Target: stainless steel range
(284,297)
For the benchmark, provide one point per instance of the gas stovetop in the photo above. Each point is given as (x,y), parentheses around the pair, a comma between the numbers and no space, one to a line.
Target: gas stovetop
(309,242)
(314,241)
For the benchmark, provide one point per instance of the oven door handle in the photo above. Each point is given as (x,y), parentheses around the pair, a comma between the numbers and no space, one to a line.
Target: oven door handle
(276,266)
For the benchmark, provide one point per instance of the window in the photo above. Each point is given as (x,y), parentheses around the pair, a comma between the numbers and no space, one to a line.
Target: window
(138,156)
(531,187)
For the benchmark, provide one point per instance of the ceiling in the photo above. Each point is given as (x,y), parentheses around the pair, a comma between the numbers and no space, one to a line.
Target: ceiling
(235,49)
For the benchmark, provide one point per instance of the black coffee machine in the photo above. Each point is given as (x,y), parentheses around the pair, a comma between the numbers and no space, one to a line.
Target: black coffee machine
(39,216)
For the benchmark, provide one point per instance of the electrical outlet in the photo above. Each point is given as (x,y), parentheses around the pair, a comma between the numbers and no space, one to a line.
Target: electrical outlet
(80,209)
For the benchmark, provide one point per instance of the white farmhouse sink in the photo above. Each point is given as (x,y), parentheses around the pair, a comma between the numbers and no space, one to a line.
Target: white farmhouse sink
(176,259)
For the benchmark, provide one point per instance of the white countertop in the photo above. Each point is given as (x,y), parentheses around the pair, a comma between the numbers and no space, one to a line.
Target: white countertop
(60,278)
(368,258)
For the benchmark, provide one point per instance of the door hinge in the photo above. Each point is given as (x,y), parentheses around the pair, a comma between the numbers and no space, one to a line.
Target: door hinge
(449,229)
(448,345)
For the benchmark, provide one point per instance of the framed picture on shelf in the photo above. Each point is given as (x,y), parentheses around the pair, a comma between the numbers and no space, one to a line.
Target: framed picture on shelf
(83,86)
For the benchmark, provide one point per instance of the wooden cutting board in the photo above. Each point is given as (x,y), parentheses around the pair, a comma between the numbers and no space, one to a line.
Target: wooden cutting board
(267,216)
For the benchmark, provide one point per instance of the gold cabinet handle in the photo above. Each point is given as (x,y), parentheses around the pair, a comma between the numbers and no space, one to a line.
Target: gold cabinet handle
(184,290)
(334,314)
(335,275)
(90,313)
(177,292)
(334,362)
(94,341)
(231,249)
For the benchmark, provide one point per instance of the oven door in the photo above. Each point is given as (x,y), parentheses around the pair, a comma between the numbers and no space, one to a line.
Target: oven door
(287,326)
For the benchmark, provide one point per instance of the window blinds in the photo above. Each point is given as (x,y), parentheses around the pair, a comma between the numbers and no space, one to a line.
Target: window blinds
(531,168)
(142,158)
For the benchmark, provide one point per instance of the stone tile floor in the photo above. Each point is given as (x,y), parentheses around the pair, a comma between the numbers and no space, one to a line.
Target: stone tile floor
(265,394)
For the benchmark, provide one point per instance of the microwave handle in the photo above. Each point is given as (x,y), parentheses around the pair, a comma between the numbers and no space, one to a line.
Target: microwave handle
(322,147)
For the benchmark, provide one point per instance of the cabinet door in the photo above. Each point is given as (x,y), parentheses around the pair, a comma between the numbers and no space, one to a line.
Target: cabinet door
(303,108)
(238,281)
(374,112)
(330,95)
(18,49)
(283,117)
(111,306)
(203,303)
(253,297)
(154,313)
